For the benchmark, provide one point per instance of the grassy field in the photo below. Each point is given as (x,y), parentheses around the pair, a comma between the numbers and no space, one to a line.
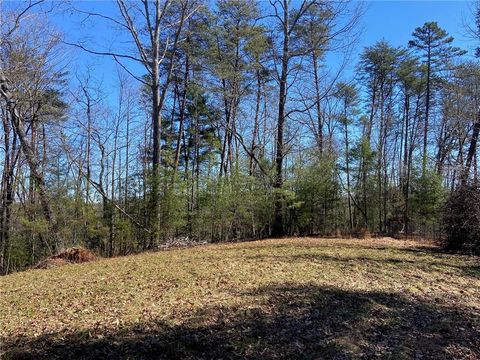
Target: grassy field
(291,298)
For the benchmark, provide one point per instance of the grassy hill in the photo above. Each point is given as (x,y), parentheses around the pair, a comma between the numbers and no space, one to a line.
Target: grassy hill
(290,298)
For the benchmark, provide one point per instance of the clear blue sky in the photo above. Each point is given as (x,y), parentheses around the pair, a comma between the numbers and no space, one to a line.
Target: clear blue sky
(396,20)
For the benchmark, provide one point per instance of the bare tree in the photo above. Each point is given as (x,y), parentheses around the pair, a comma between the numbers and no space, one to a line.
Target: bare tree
(155,49)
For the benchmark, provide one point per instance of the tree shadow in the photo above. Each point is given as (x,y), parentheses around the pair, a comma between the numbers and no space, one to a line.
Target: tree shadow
(280,322)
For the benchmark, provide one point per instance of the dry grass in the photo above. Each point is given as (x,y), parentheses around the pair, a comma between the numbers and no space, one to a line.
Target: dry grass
(289,298)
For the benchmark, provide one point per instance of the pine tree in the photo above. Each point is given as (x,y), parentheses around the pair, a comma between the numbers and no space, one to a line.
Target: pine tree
(435,47)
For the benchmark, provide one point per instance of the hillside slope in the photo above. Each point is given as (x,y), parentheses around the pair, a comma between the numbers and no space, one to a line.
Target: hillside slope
(290,298)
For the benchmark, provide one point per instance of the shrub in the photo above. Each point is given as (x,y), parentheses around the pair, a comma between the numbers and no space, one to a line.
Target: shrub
(461,219)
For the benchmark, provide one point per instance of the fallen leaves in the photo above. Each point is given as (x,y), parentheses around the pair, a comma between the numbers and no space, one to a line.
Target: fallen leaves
(176,288)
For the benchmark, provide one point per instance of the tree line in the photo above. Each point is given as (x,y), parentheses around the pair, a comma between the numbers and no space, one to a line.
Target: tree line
(226,121)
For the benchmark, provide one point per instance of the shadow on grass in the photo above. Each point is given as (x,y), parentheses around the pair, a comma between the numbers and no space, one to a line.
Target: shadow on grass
(282,322)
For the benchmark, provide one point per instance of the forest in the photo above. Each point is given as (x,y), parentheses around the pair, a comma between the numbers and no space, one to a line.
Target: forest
(230,120)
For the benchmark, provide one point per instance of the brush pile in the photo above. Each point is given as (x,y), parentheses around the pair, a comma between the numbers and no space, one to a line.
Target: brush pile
(67,256)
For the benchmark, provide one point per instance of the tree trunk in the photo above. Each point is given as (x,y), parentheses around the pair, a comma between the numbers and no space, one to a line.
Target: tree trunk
(318,105)
(7,190)
(471,149)
(278,228)
(183,101)
(255,124)
(347,168)
(427,114)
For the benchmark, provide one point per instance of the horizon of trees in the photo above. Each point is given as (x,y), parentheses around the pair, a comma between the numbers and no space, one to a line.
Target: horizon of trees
(237,128)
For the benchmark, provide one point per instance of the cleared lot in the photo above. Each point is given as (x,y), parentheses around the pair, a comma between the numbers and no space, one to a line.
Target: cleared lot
(302,298)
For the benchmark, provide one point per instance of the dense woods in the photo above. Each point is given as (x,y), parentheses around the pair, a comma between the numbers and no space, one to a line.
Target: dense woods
(227,121)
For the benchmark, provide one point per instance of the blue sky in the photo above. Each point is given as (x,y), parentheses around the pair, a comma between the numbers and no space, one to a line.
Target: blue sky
(396,20)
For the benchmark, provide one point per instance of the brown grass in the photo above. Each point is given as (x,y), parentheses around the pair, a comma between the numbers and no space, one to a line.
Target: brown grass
(302,298)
